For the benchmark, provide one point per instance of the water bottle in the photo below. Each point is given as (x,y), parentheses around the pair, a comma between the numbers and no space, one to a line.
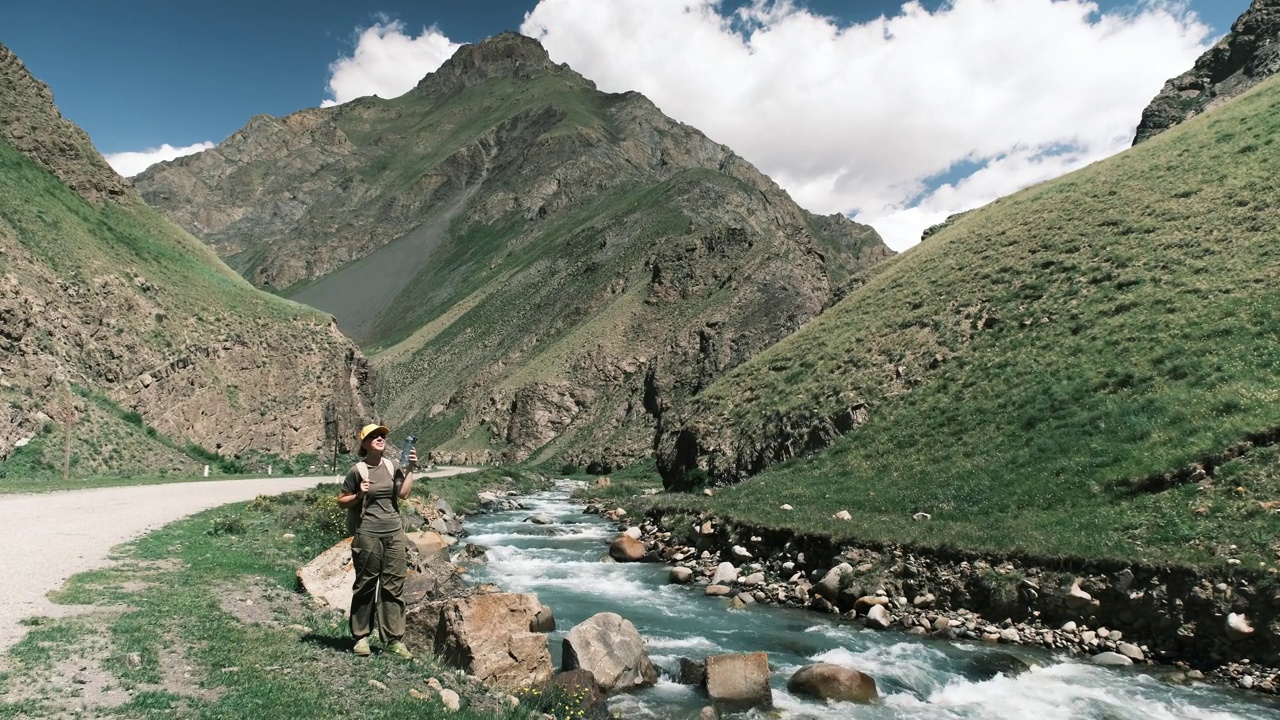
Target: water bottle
(404,451)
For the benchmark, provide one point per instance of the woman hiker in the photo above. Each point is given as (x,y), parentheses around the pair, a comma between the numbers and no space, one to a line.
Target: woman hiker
(371,494)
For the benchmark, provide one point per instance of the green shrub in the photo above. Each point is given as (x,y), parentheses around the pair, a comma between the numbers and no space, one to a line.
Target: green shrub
(328,520)
(568,469)
(226,525)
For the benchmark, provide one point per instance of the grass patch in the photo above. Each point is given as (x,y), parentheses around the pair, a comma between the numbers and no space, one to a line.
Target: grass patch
(1026,368)
(624,485)
(212,626)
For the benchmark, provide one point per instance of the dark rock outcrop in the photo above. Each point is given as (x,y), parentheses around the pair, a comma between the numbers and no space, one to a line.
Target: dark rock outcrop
(1246,56)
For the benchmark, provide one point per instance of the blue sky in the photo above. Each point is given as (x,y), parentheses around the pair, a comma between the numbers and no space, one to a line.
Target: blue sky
(138,74)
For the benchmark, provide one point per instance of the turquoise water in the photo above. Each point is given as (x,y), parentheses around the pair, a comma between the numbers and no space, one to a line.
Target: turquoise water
(918,678)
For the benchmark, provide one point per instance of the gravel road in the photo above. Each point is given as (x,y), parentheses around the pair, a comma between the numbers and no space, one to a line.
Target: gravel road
(51,536)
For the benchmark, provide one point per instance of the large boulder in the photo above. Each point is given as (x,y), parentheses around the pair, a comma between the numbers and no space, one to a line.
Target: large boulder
(625,548)
(739,681)
(485,635)
(610,647)
(832,682)
(330,576)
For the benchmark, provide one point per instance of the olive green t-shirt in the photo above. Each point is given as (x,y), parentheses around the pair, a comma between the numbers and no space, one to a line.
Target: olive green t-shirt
(380,516)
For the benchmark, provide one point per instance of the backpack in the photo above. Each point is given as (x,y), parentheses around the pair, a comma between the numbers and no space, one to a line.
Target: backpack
(355,517)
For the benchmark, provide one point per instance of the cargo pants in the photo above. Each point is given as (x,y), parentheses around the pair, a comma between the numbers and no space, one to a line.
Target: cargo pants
(381,563)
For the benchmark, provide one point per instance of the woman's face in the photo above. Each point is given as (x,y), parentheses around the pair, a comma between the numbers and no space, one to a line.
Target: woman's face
(376,442)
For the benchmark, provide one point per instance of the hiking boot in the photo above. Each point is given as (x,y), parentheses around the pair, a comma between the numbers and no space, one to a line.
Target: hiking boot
(398,649)
(362,647)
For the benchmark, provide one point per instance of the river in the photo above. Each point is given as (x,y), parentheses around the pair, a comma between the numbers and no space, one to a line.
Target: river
(918,678)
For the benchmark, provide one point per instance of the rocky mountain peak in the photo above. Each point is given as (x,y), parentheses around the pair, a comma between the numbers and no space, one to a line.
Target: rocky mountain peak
(509,55)
(1242,59)
(32,124)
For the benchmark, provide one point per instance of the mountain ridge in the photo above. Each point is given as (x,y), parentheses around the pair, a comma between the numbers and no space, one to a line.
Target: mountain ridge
(1244,57)
(576,251)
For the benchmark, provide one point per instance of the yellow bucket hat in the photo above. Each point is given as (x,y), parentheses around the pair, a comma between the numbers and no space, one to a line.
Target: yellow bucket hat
(368,430)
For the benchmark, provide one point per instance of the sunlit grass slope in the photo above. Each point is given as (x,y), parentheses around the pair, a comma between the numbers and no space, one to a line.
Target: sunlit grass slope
(63,249)
(1030,372)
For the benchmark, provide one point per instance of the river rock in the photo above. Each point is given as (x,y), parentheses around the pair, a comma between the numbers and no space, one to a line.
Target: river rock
(430,577)
(739,681)
(1076,598)
(740,553)
(725,573)
(544,621)
(878,618)
(680,575)
(718,590)
(625,548)
(1110,659)
(709,713)
(1238,627)
(864,603)
(842,515)
(693,672)
(753,579)
(582,684)
(633,531)
(427,542)
(471,553)
(609,646)
(485,635)
(1131,651)
(829,586)
(540,520)
(832,682)
(987,665)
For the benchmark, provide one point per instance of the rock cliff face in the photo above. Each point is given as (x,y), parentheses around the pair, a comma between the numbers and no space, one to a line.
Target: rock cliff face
(31,123)
(546,269)
(113,321)
(1247,55)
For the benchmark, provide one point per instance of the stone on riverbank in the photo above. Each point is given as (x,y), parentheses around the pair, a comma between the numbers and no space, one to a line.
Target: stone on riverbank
(1111,659)
(1238,627)
(625,548)
(832,682)
(739,681)
(680,575)
(725,573)
(485,635)
(610,647)
(829,586)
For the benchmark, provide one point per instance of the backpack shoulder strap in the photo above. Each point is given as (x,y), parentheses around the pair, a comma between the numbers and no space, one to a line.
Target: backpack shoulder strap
(363,470)
(397,480)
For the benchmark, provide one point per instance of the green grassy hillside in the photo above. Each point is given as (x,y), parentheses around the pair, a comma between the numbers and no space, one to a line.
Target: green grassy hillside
(92,296)
(1070,370)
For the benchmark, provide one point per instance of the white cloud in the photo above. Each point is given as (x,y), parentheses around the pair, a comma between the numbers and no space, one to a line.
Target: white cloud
(858,118)
(387,62)
(131,163)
